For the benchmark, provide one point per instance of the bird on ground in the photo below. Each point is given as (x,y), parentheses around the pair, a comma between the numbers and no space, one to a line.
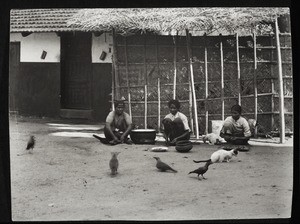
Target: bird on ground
(163,166)
(30,143)
(202,170)
(114,163)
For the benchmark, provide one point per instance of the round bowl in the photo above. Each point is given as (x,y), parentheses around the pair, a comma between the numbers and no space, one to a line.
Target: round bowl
(183,142)
(183,148)
(143,136)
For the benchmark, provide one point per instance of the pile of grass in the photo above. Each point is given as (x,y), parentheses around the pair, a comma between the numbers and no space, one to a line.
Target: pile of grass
(140,20)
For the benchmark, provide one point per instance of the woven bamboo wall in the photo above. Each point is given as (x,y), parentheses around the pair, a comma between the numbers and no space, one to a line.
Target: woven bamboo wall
(145,59)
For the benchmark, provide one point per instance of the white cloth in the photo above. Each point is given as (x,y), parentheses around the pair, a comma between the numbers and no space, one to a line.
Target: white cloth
(182,117)
(239,126)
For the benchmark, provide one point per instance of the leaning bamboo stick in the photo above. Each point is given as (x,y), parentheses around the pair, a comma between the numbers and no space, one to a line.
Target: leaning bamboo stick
(255,77)
(146,106)
(280,82)
(272,98)
(222,79)
(115,62)
(272,90)
(146,83)
(158,107)
(127,78)
(238,69)
(192,84)
(191,106)
(206,90)
(113,87)
(158,84)
(175,66)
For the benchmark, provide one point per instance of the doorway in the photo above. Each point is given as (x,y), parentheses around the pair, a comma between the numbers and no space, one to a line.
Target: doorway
(76,71)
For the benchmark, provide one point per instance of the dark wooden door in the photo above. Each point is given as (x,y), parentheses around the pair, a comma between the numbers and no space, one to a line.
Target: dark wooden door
(76,70)
(14,65)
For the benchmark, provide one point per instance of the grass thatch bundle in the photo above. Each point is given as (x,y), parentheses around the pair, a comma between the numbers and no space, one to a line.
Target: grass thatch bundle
(157,20)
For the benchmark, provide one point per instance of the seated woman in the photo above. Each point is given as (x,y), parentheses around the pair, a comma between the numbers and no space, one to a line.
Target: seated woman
(175,124)
(235,128)
(118,126)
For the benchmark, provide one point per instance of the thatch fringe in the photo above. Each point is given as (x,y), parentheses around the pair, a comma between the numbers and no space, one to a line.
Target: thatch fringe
(157,20)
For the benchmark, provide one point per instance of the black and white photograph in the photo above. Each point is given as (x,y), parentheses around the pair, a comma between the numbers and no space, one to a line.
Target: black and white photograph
(147,114)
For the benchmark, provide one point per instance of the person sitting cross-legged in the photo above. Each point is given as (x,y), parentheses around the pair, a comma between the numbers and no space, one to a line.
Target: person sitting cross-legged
(236,128)
(175,124)
(118,126)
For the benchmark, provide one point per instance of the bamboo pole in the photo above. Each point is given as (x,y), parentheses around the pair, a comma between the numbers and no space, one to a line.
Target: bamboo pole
(127,78)
(238,69)
(113,87)
(175,66)
(191,106)
(146,106)
(158,108)
(255,81)
(272,99)
(206,88)
(115,62)
(280,82)
(272,90)
(146,83)
(255,77)
(158,84)
(192,84)
(222,79)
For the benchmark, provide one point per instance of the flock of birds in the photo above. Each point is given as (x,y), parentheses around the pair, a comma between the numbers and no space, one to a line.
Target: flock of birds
(220,155)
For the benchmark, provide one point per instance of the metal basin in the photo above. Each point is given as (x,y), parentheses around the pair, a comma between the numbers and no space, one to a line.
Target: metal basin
(143,136)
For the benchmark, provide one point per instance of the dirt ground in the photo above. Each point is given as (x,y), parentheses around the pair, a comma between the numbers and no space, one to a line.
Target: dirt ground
(67,177)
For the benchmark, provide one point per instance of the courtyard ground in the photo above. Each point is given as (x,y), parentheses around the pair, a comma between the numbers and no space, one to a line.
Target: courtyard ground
(67,177)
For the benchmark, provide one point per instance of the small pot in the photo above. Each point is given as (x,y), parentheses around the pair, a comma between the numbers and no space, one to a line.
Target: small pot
(183,142)
(143,136)
(183,146)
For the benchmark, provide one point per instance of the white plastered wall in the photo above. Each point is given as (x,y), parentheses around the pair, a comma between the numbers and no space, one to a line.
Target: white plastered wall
(104,43)
(32,47)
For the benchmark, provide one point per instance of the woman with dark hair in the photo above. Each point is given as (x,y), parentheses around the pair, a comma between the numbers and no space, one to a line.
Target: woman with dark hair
(175,124)
(236,128)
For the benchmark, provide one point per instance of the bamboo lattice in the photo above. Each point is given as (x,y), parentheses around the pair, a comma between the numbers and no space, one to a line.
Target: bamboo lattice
(141,49)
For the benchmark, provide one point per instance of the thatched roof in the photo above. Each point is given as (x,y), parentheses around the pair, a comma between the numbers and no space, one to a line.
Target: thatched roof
(157,20)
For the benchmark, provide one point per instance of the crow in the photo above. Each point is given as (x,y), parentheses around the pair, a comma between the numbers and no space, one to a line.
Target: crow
(30,143)
(202,170)
(163,166)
